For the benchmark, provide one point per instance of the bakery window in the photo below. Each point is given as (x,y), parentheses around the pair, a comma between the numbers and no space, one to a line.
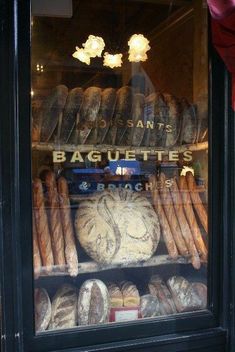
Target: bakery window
(119,97)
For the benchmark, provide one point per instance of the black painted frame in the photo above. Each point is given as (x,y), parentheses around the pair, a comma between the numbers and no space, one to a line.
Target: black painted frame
(15,220)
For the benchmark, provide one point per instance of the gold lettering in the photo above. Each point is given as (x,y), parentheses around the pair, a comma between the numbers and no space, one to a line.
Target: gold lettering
(160,125)
(94,156)
(188,155)
(150,124)
(120,123)
(145,154)
(117,155)
(168,128)
(148,186)
(76,157)
(130,123)
(58,157)
(159,154)
(130,155)
(140,124)
(173,155)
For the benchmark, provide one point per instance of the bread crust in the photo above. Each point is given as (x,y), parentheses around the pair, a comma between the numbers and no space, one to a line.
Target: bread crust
(37,263)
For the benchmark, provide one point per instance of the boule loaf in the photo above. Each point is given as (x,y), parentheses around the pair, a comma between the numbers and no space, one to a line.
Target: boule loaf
(93,303)
(115,295)
(130,293)
(117,227)
(51,111)
(64,308)
(184,296)
(149,306)
(42,308)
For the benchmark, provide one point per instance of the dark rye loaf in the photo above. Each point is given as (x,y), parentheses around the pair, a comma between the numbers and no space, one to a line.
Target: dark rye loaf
(93,303)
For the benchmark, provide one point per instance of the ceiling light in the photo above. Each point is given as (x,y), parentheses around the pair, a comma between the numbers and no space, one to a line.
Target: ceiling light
(113,60)
(82,55)
(138,47)
(94,46)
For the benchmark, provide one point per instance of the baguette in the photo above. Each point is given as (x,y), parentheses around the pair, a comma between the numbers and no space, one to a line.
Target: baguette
(188,209)
(165,227)
(37,263)
(168,206)
(69,238)
(55,220)
(41,222)
(185,229)
(197,202)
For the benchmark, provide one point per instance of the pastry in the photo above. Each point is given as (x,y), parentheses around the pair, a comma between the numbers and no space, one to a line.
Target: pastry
(42,307)
(117,227)
(93,303)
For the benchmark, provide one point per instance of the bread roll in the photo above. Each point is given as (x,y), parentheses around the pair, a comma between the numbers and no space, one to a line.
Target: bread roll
(183,294)
(42,228)
(93,303)
(55,219)
(51,111)
(89,114)
(37,263)
(131,297)
(115,295)
(149,306)
(69,236)
(71,110)
(42,308)
(64,308)
(117,227)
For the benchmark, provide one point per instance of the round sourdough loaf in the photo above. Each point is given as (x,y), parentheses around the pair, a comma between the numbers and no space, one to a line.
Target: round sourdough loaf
(93,303)
(117,227)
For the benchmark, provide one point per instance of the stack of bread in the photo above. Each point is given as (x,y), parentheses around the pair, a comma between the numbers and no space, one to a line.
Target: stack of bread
(182,216)
(115,117)
(53,232)
(91,304)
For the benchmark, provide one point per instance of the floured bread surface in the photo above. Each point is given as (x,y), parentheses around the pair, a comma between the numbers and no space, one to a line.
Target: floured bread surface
(117,227)
(42,309)
(93,303)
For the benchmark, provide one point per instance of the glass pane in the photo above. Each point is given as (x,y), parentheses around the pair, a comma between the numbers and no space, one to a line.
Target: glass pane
(119,160)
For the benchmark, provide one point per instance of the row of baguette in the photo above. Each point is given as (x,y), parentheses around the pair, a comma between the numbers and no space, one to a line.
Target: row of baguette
(115,117)
(178,208)
(93,302)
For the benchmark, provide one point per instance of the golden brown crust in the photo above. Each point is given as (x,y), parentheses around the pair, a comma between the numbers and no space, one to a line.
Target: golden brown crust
(185,229)
(55,220)
(131,297)
(41,221)
(115,294)
(37,263)
(69,238)
(197,202)
(197,236)
(166,230)
(168,206)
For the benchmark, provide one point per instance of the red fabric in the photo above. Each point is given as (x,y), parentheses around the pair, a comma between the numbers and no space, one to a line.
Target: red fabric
(223,34)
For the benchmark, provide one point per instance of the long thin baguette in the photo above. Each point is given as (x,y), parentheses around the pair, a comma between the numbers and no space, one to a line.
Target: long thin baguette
(41,221)
(171,216)
(55,220)
(37,263)
(166,231)
(188,209)
(197,202)
(69,238)
(185,229)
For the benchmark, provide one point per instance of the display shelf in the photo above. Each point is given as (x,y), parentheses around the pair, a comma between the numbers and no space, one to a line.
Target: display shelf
(93,267)
(86,148)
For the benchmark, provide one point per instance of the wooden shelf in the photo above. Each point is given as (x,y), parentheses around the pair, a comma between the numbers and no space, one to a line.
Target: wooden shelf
(93,267)
(85,148)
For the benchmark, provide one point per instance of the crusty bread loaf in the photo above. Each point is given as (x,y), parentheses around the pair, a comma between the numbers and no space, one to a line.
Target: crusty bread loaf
(64,308)
(69,236)
(117,227)
(115,295)
(184,296)
(189,124)
(93,303)
(201,291)
(158,288)
(55,219)
(51,111)
(37,263)
(42,308)
(107,108)
(130,293)
(149,306)
(135,134)
(42,228)
(173,119)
